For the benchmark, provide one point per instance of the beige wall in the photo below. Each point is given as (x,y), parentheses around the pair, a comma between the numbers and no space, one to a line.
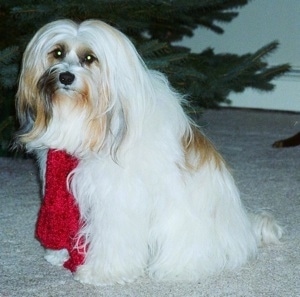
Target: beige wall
(260,22)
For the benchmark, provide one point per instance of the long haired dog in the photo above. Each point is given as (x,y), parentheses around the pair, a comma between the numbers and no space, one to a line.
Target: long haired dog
(154,194)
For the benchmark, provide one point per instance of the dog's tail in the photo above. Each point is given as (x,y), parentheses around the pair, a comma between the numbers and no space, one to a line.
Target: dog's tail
(265,228)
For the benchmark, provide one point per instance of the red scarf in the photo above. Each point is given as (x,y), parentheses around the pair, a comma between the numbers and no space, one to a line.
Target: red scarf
(59,219)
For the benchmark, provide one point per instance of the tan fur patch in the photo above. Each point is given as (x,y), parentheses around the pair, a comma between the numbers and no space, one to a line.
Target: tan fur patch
(96,135)
(199,150)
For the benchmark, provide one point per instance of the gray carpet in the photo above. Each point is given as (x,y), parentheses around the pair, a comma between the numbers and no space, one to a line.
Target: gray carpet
(267,178)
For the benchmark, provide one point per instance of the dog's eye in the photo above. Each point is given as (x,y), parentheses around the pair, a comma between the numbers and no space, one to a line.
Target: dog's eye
(89,59)
(58,54)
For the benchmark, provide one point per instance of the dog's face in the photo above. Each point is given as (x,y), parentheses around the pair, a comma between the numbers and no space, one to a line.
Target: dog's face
(76,84)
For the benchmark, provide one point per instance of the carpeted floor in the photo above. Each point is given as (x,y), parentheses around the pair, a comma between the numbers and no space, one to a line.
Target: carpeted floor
(267,178)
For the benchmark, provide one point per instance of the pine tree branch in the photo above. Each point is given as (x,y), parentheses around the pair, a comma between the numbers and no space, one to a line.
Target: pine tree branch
(9,67)
(8,55)
(152,25)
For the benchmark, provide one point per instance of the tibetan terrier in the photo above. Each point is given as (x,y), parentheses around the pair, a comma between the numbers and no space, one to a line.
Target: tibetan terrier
(155,196)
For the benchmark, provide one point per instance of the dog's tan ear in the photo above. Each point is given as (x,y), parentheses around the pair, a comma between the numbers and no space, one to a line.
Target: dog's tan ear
(30,110)
(28,104)
(24,105)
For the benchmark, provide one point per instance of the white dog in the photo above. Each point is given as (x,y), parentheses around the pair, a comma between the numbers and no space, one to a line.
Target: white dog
(155,195)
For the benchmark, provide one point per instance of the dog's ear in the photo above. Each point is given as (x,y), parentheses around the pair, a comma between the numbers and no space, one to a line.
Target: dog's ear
(26,99)
(26,111)
(30,109)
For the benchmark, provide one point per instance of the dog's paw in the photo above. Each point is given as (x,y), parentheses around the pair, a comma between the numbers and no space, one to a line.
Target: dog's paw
(57,257)
(95,277)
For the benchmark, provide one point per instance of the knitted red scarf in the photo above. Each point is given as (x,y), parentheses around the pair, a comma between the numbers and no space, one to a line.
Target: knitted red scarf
(59,219)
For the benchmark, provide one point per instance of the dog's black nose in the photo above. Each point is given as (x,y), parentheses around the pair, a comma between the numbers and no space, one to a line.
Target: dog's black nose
(66,78)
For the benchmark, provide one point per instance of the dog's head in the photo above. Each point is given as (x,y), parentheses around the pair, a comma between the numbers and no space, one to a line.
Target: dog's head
(80,85)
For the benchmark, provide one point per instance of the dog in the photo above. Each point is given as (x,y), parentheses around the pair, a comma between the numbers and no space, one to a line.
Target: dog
(155,196)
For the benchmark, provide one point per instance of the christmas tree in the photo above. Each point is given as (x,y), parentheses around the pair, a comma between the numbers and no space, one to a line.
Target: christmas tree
(153,26)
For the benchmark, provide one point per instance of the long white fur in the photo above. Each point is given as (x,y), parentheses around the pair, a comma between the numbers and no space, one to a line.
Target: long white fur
(144,210)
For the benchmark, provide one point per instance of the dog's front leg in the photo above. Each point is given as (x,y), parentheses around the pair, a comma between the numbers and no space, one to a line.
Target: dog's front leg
(56,257)
(114,205)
